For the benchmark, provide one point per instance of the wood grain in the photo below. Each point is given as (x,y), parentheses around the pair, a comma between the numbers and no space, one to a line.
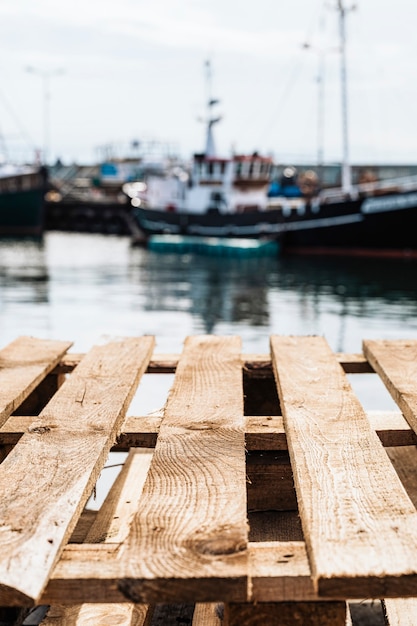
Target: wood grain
(263,432)
(47,478)
(189,537)
(111,525)
(24,363)
(286,614)
(396,364)
(207,614)
(359,525)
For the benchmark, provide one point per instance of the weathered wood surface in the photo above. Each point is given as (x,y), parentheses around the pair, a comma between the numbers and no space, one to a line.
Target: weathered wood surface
(400,611)
(191,523)
(207,614)
(111,525)
(262,432)
(254,364)
(286,614)
(181,534)
(23,365)
(188,540)
(396,364)
(47,478)
(359,525)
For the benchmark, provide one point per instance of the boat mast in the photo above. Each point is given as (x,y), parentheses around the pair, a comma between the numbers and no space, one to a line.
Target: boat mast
(346,168)
(210,150)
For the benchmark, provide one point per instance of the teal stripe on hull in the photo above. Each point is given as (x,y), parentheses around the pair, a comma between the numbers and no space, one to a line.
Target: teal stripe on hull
(213,246)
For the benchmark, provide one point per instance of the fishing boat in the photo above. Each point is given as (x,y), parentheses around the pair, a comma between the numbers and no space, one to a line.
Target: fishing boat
(374,218)
(22,200)
(216,197)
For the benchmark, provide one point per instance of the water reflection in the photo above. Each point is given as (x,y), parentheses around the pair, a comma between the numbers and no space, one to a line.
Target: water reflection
(79,287)
(211,289)
(23,287)
(23,271)
(343,299)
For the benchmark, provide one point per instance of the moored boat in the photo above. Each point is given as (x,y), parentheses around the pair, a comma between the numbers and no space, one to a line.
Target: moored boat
(375,218)
(223,197)
(22,200)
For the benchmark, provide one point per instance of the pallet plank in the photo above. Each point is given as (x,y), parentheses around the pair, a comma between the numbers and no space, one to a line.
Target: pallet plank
(24,363)
(359,525)
(98,615)
(189,537)
(262,432)
(396,364)
(400,611)
(207,614)
(47,478)
(111,525)
(286,614)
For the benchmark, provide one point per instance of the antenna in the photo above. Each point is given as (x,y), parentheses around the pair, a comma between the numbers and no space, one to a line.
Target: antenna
(210,149)
(346,169)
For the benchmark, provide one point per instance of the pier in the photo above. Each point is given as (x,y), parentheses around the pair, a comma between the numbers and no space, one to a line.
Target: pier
(261,492)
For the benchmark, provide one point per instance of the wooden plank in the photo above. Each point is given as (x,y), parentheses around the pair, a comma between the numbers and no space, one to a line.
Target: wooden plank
(24,363)
(92,574)
(286,614)
(263,432)
(47,478)
(111,525)
(396,364)
(98,615)
(359,525)
(404,461)
(207,614)
(189,537)
(279,570)
(256,365)
(270,485)
(400,611)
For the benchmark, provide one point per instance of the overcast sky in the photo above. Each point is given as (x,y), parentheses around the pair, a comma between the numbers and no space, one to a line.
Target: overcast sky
(129,70)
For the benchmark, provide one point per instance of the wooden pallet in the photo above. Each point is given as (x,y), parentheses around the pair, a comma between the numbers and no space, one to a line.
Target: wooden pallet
(262,492)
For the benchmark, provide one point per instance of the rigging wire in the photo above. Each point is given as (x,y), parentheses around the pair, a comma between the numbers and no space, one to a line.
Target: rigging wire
(30,144)
(293,75)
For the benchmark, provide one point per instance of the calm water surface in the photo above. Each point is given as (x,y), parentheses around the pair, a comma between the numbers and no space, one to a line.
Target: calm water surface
(80,287)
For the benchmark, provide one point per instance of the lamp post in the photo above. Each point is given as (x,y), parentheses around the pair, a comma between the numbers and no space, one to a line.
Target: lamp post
(46,75)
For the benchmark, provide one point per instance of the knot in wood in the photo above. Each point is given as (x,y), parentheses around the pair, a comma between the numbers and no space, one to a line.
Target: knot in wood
(221,544)
(40,430)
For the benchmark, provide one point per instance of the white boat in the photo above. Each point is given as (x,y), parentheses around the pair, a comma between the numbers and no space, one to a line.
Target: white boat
(215,197)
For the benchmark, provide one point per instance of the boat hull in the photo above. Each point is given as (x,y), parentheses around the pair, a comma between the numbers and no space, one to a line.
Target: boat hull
(385,225)
(22,210)
(250,225)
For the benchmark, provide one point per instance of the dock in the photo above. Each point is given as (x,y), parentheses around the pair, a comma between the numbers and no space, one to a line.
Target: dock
(261,492)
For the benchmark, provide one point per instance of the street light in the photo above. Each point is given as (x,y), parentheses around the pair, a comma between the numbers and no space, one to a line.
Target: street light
(46,75)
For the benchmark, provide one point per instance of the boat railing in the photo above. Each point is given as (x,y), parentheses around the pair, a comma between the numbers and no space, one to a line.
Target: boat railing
(408,183)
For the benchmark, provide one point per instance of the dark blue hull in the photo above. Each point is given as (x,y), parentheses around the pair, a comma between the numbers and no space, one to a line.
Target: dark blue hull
(381,224)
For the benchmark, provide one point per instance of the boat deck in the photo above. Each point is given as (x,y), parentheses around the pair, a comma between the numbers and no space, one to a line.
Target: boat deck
(262,492)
